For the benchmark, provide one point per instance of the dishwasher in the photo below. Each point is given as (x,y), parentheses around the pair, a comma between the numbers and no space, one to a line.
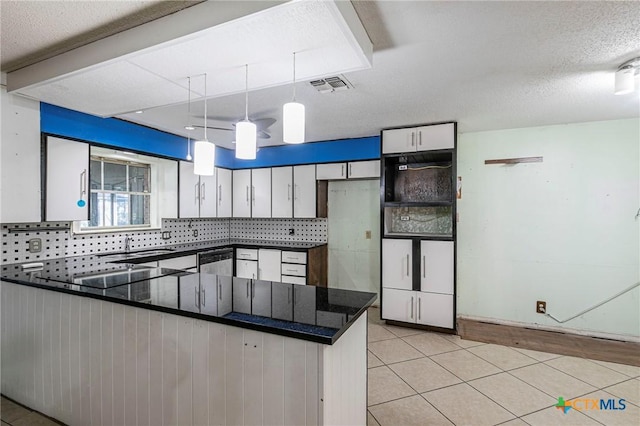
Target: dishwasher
(218,262)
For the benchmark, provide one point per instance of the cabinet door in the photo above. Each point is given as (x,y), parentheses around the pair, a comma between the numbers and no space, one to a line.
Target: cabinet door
(261,298)
(189,191)
(208,201)
(364,169)
(436,266)
(399,305)
(224,299)
(304,304)
(242,295)
(242,193)
(304,191)
(332,171)
(224,192)
(208,294)
(269,265)
(282,192)
(398,140)
(261,193)
(438,136)
(435,309)
(67,180)
(397,264)
(247,269)
(190,293)
(282,301)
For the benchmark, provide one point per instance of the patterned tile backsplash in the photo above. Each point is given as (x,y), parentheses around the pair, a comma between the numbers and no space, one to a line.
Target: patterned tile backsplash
(59,241)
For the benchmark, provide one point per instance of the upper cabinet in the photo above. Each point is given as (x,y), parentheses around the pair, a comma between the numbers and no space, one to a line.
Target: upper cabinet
(350,170)
(282,192)
(423,138)
(224,191)
(261,192)
(331,171)
(304,191)
(242,193)
(67,180)
(204,196)
(189,191)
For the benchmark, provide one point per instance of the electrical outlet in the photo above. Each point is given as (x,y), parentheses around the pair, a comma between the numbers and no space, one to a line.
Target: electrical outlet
(404,218)
(541,307)
(195,232)
(166,235)
(35,245)
(292,231)
(367,235)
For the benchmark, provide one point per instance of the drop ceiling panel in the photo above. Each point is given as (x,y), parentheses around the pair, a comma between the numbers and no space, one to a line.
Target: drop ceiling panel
(320,31)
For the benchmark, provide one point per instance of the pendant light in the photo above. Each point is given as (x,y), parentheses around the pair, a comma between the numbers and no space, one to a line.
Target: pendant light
(293,116)
(203,150)
(189,127)
(245,130)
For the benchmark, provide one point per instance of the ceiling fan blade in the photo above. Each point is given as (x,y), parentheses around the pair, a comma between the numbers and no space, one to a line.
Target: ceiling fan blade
(211,127)
(263,135)
(264,123)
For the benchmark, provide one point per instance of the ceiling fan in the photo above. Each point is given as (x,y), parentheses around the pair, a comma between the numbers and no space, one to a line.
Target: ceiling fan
(262,125)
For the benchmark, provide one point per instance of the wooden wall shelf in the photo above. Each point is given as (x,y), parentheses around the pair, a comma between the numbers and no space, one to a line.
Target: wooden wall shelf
(515,160)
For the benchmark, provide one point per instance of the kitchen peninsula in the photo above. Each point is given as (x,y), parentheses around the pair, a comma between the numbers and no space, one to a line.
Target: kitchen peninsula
(88,341)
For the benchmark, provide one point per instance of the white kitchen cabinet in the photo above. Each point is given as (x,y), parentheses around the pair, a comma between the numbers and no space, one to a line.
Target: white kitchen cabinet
(436,266)
(261,192)
(207,194)
(67,180)
(331,171)
(397,261)
(364,169)
(188,191)
(434,309)
(304,191)
(282,192)
(224,192)
(247,269)
(399,305)
(242,193)
(423,138)
(269,265)
(242,295)
(261,298)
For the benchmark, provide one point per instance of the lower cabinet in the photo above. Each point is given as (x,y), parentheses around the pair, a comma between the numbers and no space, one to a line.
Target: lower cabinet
(269,265)
(418,307)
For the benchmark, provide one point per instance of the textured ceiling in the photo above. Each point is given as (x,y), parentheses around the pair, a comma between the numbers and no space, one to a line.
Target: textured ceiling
(32,31)
(488,65)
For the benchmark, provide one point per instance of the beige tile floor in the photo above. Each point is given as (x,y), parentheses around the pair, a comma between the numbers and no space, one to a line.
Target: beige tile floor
(422,378)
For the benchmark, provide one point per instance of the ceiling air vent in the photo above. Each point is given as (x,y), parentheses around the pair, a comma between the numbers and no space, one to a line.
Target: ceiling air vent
(331,84)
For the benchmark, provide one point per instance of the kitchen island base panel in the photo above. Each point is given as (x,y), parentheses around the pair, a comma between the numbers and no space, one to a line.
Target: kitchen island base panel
(82,360)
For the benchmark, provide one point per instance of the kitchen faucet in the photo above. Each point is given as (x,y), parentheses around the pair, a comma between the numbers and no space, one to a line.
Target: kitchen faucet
(127,243)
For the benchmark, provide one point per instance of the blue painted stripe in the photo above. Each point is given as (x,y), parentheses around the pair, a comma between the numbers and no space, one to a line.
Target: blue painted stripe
(126,135)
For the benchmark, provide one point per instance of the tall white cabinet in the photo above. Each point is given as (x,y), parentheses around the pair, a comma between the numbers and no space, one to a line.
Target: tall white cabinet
(304,191)
(242,193)
(67,180)
(418,221)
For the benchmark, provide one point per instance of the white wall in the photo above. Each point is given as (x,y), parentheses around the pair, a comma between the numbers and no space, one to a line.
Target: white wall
(354,260)
(563,231)
(19,159)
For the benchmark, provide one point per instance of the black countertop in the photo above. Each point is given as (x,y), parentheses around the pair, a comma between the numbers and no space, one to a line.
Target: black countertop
(310,313)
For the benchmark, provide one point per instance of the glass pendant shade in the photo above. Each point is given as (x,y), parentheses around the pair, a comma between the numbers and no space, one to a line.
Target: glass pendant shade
(624,81)
(293,122)
(204,153)
(246,140)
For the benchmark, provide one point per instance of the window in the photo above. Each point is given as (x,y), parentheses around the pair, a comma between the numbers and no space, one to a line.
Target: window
(120,193)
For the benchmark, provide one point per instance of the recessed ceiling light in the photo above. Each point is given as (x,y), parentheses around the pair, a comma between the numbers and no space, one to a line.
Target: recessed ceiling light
(189,128)
(139,112)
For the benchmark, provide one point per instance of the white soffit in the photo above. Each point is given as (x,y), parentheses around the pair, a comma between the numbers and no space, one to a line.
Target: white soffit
(328,37)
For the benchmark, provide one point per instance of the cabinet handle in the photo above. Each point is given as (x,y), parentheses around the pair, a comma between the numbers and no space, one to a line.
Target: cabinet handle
(220,291)
(195,297)
(83,183)
(219,194)
(413,138)
(411,308)
(203,191)
(247,194)
(288,192)
(342,171)
(350,169)
(247,289)
(204,297)
(420,140)
(196,192)
(407,265)
(419,308)
(253,195)
(253,290)
(424,269)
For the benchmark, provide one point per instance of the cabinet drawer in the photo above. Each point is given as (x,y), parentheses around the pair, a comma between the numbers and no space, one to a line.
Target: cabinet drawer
(247,254)
(294,269)
(294,257)
(294,280)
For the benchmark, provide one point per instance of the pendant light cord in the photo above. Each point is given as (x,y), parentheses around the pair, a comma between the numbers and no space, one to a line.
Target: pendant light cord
(205,107)
(189,120)
(246,92)
(294,76)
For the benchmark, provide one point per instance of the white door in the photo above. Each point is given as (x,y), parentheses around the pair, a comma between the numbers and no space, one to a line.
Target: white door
(436,266)
(435,309)
(208,201)
(364,169)
(399,140)
(304,191)
(399,305)
(397,264)
(437,136)
(242,193)
(331,171)
(282,192)
(224,192)
(269,265)
(261,192)
(189,191)
(67,180)
(247,269)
